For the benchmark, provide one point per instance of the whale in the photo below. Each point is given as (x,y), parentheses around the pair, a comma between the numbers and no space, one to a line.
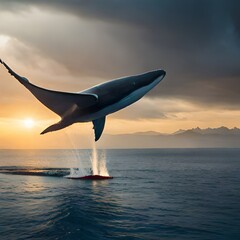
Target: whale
(95,103)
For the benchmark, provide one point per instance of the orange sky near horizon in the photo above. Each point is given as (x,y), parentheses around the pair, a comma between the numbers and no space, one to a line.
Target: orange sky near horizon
(17,105)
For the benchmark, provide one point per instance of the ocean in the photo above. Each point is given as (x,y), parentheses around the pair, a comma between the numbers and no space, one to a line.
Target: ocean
(154,194)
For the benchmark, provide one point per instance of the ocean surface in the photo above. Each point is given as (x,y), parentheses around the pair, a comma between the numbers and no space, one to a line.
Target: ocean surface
(155,194)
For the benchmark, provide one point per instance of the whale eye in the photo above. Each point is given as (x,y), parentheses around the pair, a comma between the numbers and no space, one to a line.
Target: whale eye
(134,83)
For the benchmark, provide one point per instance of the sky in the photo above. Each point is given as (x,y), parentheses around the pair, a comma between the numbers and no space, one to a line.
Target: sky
(72,45)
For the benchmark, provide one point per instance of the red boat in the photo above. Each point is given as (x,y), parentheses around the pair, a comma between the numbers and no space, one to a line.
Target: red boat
(91,177)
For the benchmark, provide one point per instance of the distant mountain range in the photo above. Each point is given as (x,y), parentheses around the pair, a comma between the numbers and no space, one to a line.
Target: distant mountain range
(210,131)
(190,138)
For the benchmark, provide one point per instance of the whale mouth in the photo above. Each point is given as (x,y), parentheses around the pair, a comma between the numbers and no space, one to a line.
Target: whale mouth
(162,75)
(160,78)
(159,75)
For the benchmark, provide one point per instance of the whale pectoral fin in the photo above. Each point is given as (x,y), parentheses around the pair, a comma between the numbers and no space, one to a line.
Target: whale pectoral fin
(98,126)
(62,103)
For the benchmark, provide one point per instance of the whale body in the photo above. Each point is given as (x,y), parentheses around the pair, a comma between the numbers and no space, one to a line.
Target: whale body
(93,104)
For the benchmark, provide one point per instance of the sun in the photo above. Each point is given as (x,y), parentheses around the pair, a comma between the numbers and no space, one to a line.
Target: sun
(28,123)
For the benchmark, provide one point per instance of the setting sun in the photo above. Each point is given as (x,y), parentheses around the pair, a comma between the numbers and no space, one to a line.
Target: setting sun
(28,123)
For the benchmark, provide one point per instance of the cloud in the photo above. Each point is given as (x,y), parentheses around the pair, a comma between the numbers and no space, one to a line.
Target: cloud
(197,43)
(145,109)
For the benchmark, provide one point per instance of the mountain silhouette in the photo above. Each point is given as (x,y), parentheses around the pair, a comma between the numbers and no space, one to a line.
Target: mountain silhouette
(221,137)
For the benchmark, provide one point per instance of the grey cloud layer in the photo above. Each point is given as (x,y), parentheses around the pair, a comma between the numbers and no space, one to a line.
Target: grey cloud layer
(197,42)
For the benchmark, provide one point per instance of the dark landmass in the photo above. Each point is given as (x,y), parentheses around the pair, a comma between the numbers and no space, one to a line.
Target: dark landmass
(192,138)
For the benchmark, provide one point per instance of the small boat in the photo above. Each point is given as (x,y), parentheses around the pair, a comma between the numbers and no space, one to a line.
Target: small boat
(91,177)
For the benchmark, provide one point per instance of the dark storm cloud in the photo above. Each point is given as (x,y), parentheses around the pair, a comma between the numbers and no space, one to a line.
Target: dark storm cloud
(196,42)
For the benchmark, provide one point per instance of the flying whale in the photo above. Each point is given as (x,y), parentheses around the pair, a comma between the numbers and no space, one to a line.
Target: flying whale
(93,104)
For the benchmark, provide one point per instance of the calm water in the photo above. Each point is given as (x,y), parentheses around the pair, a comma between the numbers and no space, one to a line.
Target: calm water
(155,194)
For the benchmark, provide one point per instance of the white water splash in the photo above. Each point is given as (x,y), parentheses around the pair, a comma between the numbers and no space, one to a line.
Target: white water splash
(81,167)
(102,165)
(94,160)
(78,170)
(75,173)
(99,166)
